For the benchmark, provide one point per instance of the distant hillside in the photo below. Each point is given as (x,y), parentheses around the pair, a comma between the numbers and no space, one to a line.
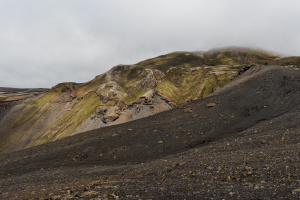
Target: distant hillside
(126,93)
(11,94)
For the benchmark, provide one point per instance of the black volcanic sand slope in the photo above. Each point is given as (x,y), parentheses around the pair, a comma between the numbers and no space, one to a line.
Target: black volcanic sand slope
(240,143)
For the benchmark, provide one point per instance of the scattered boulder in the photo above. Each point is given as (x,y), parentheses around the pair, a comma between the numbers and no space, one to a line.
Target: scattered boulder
(263,182)
(108,114)
(89,194)
(58,197)
(188,110)
(296,191)
(209,105)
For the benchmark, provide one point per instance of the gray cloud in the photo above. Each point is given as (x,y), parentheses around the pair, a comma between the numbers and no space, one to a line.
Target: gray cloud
(47,42)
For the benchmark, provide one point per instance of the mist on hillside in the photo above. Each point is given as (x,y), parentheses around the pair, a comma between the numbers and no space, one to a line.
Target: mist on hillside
(44,43)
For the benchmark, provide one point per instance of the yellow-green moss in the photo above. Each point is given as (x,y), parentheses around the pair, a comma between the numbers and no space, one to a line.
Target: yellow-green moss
(210,83)
(291,60)
(182,86)
(175,59)
(168,89)
(79,113)
(33,107)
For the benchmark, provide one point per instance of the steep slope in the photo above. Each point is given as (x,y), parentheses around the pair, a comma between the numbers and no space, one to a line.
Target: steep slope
(11,96)
(242,142)
(125,93)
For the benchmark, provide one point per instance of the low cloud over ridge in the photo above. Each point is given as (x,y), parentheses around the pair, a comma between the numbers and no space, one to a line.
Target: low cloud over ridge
(47,42)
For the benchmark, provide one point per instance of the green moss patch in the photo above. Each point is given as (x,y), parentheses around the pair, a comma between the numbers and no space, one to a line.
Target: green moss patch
(33,107)
(66,125)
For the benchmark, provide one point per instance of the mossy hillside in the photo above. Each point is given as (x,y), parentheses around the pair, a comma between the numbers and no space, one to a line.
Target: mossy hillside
(87,103)
(33,107)
(182,85)
(27,116)
(176,59)
(134,94)
(168,90)
(91,85)
(126,79)
(66,125)
(209,84)
(130,82)
(291,60)
(178,85)
(217,78)
(132,74)
(237,56)
(64,87)
(222,56)
(179,77)
(129,77)
(185,84)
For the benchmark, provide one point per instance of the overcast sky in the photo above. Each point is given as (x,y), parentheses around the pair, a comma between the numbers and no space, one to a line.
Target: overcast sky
(45,42)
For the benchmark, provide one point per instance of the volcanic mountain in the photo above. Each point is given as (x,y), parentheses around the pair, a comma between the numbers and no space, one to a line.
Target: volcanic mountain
(216,139)
(125,93)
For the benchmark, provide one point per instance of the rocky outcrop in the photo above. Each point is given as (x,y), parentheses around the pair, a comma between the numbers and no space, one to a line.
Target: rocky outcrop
(108,114)
(151,78)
